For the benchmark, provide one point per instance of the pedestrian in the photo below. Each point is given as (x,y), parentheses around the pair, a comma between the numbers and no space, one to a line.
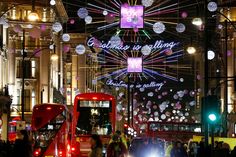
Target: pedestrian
(22,146)
(116,148)
(233,152)
(96,146)
(178,150)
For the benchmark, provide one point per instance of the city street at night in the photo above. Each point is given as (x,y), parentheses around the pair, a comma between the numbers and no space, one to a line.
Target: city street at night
(117,78)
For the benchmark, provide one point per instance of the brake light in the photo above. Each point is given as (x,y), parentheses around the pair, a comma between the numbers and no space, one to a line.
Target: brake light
(48,108)
(36,153)
(94,98)
(60,153)
(73,148)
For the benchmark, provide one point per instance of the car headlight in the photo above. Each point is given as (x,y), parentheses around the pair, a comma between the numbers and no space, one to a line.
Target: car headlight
(153,155)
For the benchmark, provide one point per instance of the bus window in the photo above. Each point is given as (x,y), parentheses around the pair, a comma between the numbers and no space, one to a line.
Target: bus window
(94,118)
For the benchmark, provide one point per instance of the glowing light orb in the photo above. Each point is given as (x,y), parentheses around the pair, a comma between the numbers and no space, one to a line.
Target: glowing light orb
(192,103)
(168,52)
(57,27)
(180,27)
(150,94)
(146,50)
(104,12)
(220,26)
(115,40)
(141,89)
(184,14)
(52,2)
(82,13)
(159,27)
(80,49)
(156,113)
(51,47)
(212,6)
(66,37)
(163,116)
(181,80)
(147,3)
(43,27)
(72,21)
(88,19)
(210,55)
(66,48)
(197,21)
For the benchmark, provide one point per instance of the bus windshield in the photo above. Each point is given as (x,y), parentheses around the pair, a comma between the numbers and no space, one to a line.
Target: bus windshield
(94,117)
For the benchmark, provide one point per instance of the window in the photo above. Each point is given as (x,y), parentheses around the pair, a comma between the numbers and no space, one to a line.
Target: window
(28,70)
(33,68)
(27,100)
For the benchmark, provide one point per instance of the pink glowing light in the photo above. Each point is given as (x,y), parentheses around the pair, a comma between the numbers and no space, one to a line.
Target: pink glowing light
(135,64)
(131,16)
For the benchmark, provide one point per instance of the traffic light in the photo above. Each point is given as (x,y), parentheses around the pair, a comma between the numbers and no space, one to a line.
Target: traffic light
(211,109)
(126,126)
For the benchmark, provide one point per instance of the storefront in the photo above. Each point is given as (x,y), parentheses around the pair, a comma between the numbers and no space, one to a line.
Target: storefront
(5,102)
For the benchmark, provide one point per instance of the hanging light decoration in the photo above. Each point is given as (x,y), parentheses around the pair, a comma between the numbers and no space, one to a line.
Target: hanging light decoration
(146,50)
(191,50)
(80,49)
(147,3)
(52,2)
(88,19)
(115,40)
(104,12)
(82,13)
(180,27)
(66,37)
(212,6)
(210,55)
(57,27)
(159,27)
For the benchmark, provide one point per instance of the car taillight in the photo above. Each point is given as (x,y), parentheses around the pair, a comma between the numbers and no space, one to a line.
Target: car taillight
(60,153)
(36,153)
(73,149)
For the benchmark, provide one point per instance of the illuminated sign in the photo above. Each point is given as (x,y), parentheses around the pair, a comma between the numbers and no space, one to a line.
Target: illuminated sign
(135,64)
(159,44)
(131,16)
(152,84)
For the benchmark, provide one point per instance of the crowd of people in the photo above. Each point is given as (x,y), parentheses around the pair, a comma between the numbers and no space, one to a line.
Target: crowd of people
(146,147)
(21,147)
(118,146)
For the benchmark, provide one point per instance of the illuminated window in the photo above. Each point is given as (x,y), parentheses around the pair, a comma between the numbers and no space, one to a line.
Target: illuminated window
(33,99)
(234,128)
(33,68)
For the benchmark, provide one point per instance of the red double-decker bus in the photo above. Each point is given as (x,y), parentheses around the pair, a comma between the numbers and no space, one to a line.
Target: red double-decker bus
(173,130)
(51,127)
(94,113)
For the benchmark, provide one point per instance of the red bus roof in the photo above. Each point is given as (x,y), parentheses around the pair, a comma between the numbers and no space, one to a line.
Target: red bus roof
(43,113)
(94,96)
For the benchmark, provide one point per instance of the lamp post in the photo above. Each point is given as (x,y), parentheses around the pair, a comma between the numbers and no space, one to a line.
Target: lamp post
(23,78)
